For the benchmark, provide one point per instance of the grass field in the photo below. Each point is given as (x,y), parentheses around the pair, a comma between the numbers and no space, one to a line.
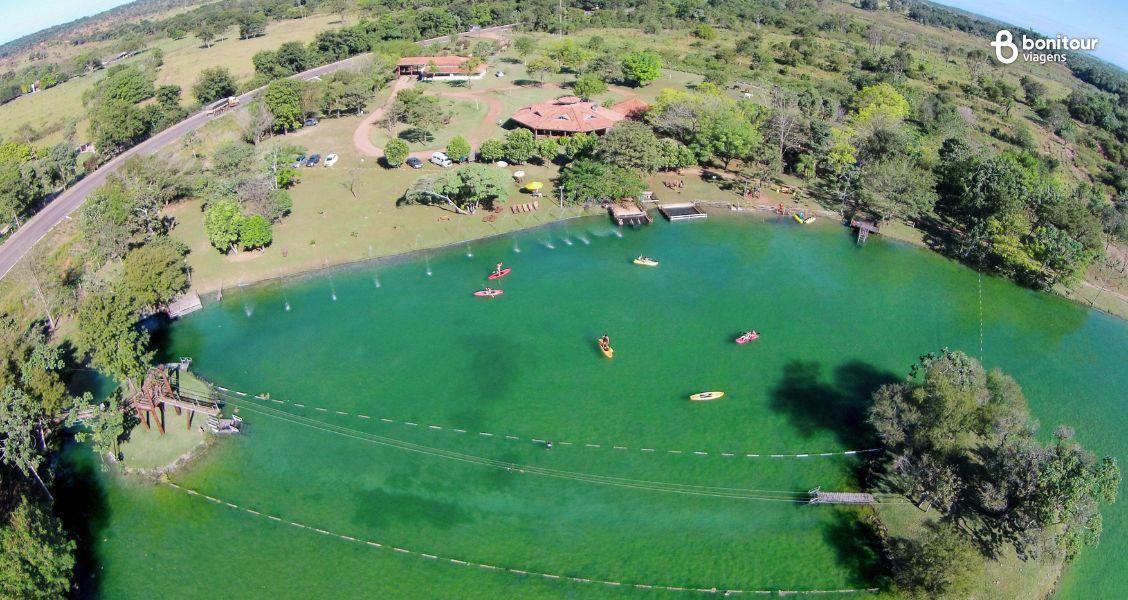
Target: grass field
(466,119)
(50,110)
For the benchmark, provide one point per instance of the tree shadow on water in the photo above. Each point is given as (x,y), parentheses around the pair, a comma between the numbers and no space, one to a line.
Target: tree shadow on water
(839,406)
(81,503)
(857,546)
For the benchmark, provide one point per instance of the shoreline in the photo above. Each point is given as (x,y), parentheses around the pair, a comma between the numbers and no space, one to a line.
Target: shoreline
(758,210)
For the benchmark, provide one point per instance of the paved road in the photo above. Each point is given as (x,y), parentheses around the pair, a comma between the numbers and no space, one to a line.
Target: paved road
(65,203)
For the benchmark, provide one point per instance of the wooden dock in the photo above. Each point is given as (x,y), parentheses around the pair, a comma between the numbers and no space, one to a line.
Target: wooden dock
(864,229)
(682,211)
(820,497)
(185,304)
(629,214)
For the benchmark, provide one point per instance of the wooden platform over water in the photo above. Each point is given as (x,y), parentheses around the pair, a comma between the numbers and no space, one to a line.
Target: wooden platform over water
(682,211)
(629,214)
(820,497)
(185,304)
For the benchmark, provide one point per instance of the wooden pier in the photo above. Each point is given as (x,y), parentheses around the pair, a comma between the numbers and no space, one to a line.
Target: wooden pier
(185,304)
(682,211)
(864,229)
(629,213)
(820,497)
(157,392)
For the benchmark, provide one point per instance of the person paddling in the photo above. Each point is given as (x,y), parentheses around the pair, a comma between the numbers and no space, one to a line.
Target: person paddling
(498,270)
(605,341)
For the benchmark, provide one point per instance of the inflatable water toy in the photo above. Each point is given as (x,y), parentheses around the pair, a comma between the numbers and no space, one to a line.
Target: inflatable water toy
(748,337)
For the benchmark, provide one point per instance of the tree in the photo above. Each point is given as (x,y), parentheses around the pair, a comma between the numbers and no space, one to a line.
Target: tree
(898,188)
(214,83)
(784,125)
(346,92)
(879,102)
(524,45)
(491,151)
(520,146)
(640,68)
(155,273)
(395,152)
(676,155)
(105,426)
(283,98)
(223,221)
(260,122)
(588,86)
(729,136)
(941,564)
(108,332)
(20,416)
(255,232)
(36,558)
(541,66)
(586,180)
(632,145)
(464,190)
(458,149)
(207,32)
(251,25)
(1033,89)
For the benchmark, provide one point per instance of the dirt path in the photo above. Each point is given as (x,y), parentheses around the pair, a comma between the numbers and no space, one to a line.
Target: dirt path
(361,140)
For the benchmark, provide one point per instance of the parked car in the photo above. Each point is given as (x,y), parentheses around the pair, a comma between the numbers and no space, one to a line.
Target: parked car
(331,160)
(414,163)
(313,160)
(310,122)
(441,159)
(299,161)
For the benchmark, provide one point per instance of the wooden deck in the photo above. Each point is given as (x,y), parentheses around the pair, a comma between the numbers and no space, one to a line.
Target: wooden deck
(820,497)
(629,214)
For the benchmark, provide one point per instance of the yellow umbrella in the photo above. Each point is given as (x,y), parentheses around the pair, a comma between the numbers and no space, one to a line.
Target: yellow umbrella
(535,185)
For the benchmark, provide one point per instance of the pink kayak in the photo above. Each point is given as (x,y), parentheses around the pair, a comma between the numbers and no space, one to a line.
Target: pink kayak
(496,275)
(488,293)
(748,337)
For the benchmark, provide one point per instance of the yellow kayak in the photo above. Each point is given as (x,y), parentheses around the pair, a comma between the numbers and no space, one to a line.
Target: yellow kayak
(646,262)
(706,396)
(607,351)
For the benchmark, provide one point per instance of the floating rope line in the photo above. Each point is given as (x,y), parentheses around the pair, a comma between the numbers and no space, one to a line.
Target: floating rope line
(625,482)
(489,567)
(233,395)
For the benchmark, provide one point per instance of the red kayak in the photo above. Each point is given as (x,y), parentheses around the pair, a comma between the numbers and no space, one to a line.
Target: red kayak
(488,293)
(748,337)
(496,275)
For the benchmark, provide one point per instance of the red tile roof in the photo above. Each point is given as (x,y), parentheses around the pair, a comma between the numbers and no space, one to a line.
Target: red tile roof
(569,115)
(442,63)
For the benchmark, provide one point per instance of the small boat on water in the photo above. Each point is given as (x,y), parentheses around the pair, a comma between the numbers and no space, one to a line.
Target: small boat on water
(748,337)
(606,349)
(646,261)
(802,218)
(499,274)
(488,293)
(706,396)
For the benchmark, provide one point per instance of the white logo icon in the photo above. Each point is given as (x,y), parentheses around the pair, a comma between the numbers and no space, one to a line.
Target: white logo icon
(1004,39)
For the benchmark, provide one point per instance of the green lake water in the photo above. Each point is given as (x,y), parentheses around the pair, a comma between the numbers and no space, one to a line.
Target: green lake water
(394,398)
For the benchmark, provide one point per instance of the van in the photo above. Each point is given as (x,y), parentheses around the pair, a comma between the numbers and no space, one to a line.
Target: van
(441,159)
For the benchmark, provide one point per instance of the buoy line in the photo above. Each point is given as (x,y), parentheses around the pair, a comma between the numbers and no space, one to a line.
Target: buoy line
(490,567)
(624,482)
(237,395)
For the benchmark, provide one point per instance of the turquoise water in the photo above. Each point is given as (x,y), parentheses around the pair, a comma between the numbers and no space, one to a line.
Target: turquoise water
(404,411)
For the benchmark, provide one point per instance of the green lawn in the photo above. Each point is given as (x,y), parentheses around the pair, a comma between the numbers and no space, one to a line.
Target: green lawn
(466,119)
(1004,579)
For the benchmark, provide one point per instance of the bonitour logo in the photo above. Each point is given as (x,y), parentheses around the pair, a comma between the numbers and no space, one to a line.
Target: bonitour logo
(1006,51)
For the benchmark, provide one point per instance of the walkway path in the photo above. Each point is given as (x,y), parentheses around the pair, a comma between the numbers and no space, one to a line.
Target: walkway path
(362,140)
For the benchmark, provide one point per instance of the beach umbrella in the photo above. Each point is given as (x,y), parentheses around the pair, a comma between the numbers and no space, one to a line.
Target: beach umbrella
(534,186)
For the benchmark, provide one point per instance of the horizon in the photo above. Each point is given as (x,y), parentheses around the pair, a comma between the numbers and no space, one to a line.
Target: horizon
(1088,18)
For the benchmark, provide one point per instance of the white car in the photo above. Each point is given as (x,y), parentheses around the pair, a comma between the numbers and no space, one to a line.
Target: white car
(441,159)
(331,160)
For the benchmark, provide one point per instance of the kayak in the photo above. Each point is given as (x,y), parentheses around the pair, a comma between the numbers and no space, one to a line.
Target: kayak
(607,351)
(646,262)
(800,217)
(496,275)
(705,396)
(488,293)
(797,216)
(748,337)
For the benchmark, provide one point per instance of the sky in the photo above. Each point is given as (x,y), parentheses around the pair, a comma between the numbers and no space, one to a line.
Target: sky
(21,17)
(1105,20)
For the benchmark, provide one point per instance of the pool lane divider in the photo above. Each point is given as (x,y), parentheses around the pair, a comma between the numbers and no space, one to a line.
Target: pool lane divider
(514,571)
(542,440)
